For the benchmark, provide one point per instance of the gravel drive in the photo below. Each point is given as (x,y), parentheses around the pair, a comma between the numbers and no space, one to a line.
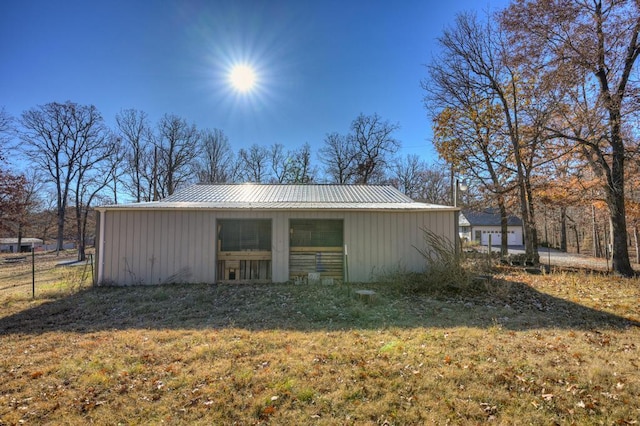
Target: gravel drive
(559,258)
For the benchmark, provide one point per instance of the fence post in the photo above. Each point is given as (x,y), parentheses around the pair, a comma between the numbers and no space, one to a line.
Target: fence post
(33,271)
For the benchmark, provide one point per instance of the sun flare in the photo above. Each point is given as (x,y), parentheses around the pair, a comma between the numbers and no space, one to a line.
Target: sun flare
(242,78)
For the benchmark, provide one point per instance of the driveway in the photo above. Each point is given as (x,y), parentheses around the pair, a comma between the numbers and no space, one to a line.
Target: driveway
(559,258)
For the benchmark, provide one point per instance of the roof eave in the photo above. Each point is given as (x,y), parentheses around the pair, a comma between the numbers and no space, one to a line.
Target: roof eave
(259,208)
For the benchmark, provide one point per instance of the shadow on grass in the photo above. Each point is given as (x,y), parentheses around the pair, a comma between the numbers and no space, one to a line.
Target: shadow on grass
(299,307)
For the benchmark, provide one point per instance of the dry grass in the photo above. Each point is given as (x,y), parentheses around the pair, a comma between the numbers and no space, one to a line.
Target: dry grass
(546,349)
(16,279)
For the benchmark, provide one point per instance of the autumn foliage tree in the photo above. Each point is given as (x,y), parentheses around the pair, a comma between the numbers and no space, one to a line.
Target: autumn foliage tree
(590,48)
(12,186)
(468,139)
(475,73)
(12,198)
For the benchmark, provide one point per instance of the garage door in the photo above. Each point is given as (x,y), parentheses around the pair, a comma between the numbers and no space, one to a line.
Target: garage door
(496,238)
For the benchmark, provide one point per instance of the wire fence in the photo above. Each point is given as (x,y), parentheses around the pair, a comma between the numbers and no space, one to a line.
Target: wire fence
(36,274)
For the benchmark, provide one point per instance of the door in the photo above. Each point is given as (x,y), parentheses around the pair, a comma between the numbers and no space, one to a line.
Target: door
(244,250)
(316,246)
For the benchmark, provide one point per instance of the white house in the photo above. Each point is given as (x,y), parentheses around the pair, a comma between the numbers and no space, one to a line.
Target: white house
(479,226)
(254,232)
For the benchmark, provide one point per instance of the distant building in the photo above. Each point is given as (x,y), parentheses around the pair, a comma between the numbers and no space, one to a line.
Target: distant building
(479,226)
(10,245)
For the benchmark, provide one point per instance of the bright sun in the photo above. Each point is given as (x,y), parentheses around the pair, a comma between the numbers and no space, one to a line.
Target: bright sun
(242,78)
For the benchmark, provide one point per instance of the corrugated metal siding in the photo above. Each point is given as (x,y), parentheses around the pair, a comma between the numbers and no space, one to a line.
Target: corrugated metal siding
(152,247)
(384,242)
(140,247)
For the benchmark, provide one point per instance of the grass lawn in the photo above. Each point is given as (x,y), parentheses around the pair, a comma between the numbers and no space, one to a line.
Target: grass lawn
(529,349)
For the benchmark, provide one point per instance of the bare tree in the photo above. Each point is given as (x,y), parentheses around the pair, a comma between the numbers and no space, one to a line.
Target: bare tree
(364,154)
(176,144)
(419,181)
(435,187)
(59,138)
(408,175)
(301,170)
(6,129)
(97,162)
(291,166)
(253,164)
(339,158)
(236,169)
(280,163)
(215,162)
(133,127)
(375,147)
(44,216)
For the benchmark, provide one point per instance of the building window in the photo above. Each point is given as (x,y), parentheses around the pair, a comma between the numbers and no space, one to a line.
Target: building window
(245,235)
(316,233)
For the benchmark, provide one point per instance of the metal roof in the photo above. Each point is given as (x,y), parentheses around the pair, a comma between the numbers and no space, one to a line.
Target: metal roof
(282,197)
(489,217)
(24,241)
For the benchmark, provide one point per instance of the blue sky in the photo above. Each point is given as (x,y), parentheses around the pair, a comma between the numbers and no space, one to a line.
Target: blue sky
(319,63)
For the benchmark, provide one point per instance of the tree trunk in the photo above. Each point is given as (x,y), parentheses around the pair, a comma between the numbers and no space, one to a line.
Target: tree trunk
(453,188)
(154,178)
(615,200)
(115,188)
(504,251)
(596,238)
(546,228)
(79,235)
(575,229)
(60,235)
(635,234)
(81,251)
(620,252)
(563,229)
(85,215)
(528,221)
(19,236)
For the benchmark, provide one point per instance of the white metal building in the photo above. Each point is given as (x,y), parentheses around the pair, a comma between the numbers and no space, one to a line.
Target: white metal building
(10,245)
(255,232)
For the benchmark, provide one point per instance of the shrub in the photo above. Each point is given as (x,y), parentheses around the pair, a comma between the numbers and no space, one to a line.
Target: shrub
(444,269)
